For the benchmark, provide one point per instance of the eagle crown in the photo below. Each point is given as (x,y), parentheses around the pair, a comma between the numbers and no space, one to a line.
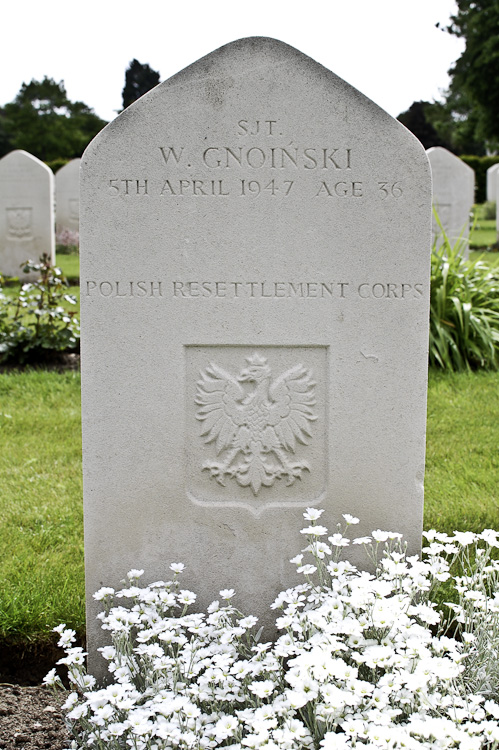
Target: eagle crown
(257,371)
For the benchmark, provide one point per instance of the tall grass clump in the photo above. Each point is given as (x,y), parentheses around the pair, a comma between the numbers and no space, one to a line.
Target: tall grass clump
(464,311)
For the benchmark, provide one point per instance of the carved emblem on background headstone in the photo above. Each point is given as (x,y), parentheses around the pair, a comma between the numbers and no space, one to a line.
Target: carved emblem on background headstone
(255,430)
(19,223)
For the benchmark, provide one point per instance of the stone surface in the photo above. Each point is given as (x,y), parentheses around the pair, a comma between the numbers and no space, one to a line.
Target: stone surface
(26,212)
(492,173)
(67,197)
(453,196)
(255,245)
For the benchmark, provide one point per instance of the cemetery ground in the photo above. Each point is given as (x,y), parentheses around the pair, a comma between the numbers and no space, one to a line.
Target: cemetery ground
(41,558)
(41,549)
(41,566)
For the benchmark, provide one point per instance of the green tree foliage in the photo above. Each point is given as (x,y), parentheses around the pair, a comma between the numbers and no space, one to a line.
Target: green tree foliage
(139,79)
(416,120)
(44,122)
(440,124)
(474,89)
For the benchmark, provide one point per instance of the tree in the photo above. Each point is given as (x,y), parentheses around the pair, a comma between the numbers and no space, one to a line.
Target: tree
(43,121)
(415,119)
(139,79)
(448,124)
(474,89)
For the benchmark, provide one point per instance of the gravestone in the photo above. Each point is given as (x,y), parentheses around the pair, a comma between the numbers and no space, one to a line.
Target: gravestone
(67,200)
(26,212)
(453,197)
(255,245)
(492,173)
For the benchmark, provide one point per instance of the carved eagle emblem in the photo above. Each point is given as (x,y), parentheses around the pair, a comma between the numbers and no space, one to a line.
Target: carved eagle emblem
(256,429)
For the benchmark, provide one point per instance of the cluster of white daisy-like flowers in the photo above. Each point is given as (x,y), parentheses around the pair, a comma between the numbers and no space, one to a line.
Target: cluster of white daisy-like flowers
(363,659)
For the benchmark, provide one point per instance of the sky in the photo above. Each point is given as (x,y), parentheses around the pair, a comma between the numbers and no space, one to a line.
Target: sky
(388,49)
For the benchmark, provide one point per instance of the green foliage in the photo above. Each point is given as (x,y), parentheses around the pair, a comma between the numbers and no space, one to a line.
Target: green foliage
(35,321)
(56,164)
(416,120)
(480,164)
(44,122)
(474,89)
(488,211)
(464,311)
(139,79)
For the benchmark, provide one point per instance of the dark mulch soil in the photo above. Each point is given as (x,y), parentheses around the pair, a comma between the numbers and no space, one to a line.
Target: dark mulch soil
(30,715)
(58,361)
(30,719)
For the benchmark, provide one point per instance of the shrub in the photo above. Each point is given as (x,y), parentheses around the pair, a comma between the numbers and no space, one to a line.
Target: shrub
(488,211)
(480,164)
(464,311)
(35,322)
(67,242)
(363,659)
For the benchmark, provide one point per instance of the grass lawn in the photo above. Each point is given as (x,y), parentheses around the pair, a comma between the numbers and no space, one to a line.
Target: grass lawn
(69,265)
(41,536)
(484,234)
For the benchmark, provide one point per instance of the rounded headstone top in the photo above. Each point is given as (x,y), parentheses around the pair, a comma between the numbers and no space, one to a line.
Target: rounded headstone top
(441,155)
(20,156)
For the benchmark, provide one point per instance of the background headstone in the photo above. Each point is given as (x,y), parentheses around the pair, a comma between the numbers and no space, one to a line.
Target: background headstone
(255,246)
(26,212)
(492,173)
(453,196)
(67,198)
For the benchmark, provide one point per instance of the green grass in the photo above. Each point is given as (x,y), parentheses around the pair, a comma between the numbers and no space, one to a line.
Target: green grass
(462,459)
(41,538)
(69,265)
(483,234)
(41,533)
(491,259)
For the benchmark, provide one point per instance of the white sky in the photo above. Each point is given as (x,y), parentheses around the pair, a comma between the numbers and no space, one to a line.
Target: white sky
(388,49)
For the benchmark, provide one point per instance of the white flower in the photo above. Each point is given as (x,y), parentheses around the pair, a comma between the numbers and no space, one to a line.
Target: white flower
(227,594)
(312,514)
(177,567)
(362,540)
(307,570)
(351,520)
(187,597)
(465,537)
(262,689)
(51,678)
(134,574)
(225,727)
(103,592)
(314,530)
(108,652)
(380,536)
(78,711)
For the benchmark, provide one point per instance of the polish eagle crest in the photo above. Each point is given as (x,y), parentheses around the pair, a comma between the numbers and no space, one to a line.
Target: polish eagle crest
(256,430)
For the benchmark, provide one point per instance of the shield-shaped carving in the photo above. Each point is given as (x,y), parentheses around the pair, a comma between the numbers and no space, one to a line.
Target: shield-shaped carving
(19,222)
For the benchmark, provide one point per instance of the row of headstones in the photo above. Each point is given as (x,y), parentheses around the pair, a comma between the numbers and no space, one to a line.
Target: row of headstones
(27,201)
(28,194)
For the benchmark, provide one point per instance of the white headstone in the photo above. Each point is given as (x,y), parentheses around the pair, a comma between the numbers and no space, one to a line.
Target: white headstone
(26,212)
(67,198)
(255,246)
(453,197)
(492,173)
